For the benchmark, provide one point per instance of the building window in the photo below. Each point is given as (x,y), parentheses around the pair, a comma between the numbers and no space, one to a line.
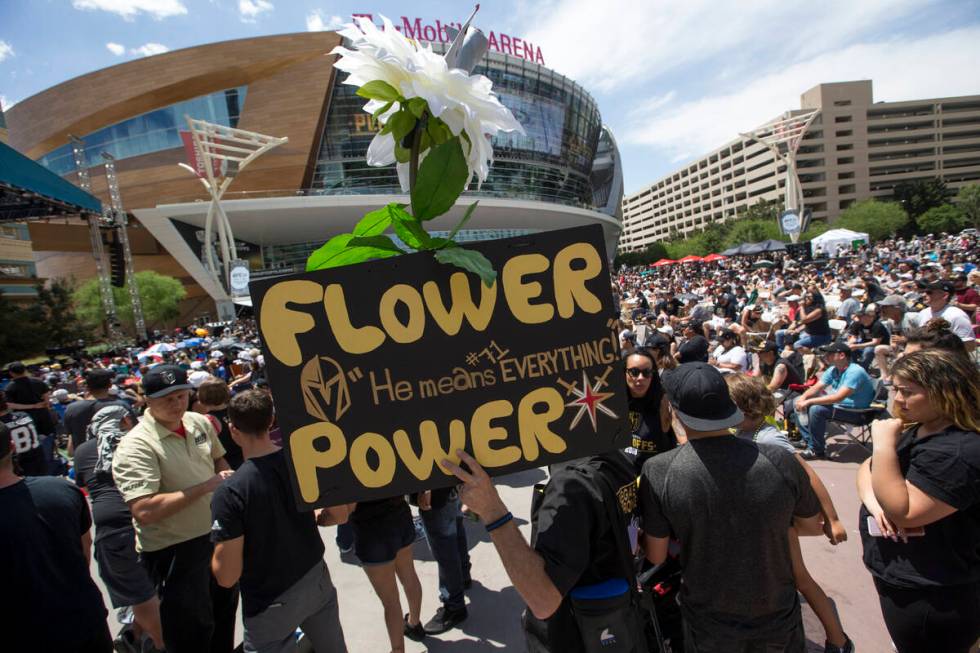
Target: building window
(845,175)
(841,147)
(840,119)
(842,103)
(845,189)
(844,133)
(844,160)
(150,132)
(845,203)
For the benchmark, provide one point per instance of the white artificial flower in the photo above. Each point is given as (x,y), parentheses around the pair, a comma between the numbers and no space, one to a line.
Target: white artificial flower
(464,102)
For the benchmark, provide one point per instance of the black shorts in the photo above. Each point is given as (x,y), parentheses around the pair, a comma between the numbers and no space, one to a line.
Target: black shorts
(125,578)
(379,538)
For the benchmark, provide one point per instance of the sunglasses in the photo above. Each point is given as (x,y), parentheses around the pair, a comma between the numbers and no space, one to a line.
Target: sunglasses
(637,372)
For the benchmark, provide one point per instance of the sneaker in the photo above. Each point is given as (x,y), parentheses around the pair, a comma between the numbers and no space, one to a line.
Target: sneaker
(810,454)
(415,633)
(848,646)
(445,620)
(126,642)
(799,444)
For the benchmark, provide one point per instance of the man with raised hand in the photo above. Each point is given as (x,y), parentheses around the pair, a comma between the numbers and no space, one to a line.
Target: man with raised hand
(166,469)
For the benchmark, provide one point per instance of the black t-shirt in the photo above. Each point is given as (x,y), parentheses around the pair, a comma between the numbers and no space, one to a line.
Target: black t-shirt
(233,453)
(819,326)
(52,600)
(377,509)
(794,370)
(673,307)
(728,310)
(109,512)
(695,350)
(281,543)
(648,438)
(79,415)
(572,532)
(729,501)
(28,390)
(946,466)
(28,452)
(869,333)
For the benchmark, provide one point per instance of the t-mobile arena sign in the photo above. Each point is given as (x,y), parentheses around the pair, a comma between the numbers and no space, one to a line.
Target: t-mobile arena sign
(414,28)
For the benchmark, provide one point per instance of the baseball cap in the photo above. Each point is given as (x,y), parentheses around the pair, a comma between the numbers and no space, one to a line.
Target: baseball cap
(700,397)
(60,395)
(942,284)
(870,309)
(217,353)
(197,377)
(834,348)
(163,380)
(727,335)
(16,368)
(793,298)
(766,346)
(667,330)
(657,340)
(99,379)
(893,300)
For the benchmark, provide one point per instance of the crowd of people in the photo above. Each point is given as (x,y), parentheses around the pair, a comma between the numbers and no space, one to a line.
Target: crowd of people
(736,374)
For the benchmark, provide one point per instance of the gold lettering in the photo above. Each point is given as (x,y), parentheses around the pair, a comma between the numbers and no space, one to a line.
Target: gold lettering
(450,320)
(386,460)
(409,296)
(483,433)
(432,452)
(306,458)
(281,325)
(533,426)
(353,340)
(570,284)
(519,294)
(427,388)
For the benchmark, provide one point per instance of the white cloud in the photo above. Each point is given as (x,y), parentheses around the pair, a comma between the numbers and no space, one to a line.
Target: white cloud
(939,65)
(4,103)
(149,49)
(249,10)
(116,48)
(642,40)
(315,22)
(6,50)
(129,9)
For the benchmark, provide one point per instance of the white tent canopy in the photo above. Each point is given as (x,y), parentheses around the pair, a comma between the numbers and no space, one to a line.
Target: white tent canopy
(830,241)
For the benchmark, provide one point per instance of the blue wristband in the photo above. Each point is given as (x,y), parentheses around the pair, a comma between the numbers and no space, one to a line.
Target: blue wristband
(499,522)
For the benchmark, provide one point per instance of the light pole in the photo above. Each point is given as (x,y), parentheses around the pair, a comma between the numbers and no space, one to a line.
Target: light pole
(783,137)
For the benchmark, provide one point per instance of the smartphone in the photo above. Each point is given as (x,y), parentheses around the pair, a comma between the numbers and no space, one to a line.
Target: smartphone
(874,531)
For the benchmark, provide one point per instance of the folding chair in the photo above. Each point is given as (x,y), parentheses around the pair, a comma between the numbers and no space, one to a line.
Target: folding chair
(862,418)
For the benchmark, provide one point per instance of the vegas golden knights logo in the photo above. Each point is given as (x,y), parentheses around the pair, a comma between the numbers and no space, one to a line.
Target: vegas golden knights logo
(324,389)
(634,421)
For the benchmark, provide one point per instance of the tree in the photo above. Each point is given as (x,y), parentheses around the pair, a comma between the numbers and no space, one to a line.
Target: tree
(62,325)
(877,219)
(160,296)
(763,210)
(920,195)
(19,335)
(654,252)
(941,219)
(815,228)
(968,201)
(753,231)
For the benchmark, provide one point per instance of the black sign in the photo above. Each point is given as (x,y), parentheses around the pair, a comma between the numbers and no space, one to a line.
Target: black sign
(381,370)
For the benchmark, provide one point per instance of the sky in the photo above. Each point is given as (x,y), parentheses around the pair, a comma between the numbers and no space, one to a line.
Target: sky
(674,79)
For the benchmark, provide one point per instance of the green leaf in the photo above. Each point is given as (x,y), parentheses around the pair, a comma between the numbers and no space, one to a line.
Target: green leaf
(440,243)
(466,218)
(409,229)
(402,155)
(417,106)
(376,242)
(470,260)
(379,90)
(438,131)
(402,123)
(383,109)
(336,253)
(441,178)
(374,223)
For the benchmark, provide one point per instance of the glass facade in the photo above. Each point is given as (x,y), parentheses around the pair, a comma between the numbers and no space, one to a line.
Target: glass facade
(150,132)
(552,162)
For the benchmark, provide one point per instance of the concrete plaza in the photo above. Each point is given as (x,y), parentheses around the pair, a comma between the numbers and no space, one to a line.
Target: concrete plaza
(495,608)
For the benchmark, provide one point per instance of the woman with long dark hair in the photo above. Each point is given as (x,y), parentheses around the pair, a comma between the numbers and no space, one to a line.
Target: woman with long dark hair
(814,322)
(648,414)
(920,522)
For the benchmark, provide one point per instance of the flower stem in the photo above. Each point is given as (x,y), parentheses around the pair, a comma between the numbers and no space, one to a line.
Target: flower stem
(413,161)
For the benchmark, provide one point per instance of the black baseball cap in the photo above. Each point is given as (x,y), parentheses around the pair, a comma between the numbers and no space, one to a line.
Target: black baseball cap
(943,285)
(16,368)
(727,335)
(162,380)
(834,348)
(766,346)
(98,379)
(700,397)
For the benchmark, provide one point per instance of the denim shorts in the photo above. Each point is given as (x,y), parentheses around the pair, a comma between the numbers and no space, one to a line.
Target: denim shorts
(377,540)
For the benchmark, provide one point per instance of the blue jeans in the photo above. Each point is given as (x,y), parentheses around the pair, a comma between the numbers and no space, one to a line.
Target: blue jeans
(812,342)
(447,540)
(815,432)
(864,357)
(781,339)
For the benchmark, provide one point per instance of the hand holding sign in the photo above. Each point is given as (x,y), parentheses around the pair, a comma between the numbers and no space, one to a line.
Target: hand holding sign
(477,492)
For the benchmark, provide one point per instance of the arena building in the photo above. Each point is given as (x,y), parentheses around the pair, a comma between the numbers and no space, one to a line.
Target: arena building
(564,172)
(855,149)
